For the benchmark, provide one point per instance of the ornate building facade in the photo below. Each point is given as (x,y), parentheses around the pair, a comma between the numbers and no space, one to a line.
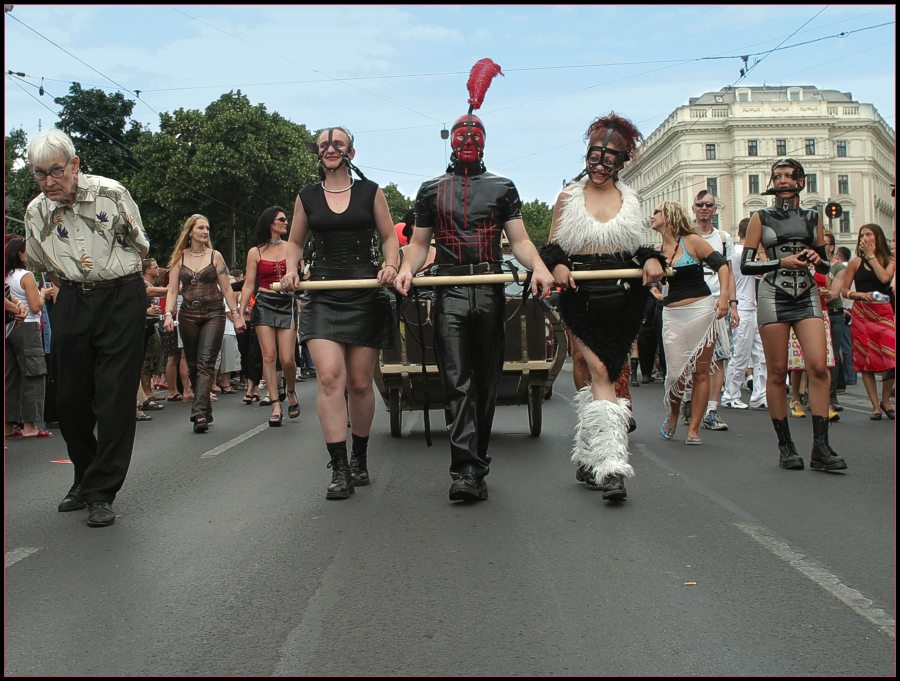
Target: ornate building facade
(727,140)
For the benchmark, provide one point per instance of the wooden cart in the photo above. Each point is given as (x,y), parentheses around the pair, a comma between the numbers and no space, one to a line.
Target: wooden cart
(534,352)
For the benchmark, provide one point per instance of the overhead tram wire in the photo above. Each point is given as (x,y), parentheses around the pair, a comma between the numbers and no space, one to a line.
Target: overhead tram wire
(328,76)
(131,152)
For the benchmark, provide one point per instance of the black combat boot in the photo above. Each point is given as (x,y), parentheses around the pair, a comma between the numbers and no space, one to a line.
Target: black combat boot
(823,457)
(787,454)
(613,487)
(341,486)
(358,470)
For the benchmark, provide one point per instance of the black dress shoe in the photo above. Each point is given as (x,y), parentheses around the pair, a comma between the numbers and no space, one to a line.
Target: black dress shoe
(101,514)
(468,488)
(201,424)
(73,499)
(632,424)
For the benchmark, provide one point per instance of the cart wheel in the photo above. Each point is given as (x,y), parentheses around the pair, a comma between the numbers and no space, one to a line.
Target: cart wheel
(535,404)
(394,407)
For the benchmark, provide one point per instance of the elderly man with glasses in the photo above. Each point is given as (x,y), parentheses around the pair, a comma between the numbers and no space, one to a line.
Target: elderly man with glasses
(86,232)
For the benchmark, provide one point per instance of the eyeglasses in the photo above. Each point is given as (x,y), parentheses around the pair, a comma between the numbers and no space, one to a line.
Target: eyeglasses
(281,219)
(701,204)
(55,173)
(657,211)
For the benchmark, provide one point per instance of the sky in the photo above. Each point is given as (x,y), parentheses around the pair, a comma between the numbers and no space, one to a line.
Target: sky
(395,75)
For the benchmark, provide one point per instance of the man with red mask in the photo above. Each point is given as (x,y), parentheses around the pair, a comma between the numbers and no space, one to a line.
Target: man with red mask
(466,210)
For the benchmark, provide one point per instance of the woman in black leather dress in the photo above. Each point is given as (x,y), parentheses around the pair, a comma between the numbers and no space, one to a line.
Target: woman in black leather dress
(344,329)
(793,238)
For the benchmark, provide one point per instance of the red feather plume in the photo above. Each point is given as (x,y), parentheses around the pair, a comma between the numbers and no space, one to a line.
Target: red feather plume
(480,78)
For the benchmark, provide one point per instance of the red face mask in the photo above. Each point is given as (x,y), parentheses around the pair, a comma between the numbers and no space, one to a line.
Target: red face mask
(467,141)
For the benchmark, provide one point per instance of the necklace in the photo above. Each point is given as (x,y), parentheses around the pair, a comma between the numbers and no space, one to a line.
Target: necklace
(195,253)
(337,191)
(276,242)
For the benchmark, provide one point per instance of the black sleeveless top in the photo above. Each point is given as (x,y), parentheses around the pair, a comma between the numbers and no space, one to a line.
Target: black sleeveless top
(866,281)
(342,240)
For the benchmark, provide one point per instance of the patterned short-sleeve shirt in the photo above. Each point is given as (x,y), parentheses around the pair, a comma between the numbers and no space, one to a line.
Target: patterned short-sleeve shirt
(101,237)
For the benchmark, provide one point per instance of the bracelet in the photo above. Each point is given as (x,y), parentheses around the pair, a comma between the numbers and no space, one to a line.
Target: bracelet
(168,312)
(733,300)
(396,269)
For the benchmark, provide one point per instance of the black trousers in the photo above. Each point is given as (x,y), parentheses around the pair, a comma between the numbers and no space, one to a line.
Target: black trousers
(469,341)
(98,349)
(201,334)
(649,339)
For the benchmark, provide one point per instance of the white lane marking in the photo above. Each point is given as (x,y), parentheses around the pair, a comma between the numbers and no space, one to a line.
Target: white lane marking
(14,556)
(224,447)
(820,576)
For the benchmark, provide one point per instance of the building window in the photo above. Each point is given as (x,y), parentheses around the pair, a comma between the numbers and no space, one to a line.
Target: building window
(832,111)
(710,152)
(795,95)
(810,147)
(842,148)
(812,184)
(712,185)
(843,184)
(715,221)
(743,95)
(753,188)
(752,148)
(845,222)
(781,147)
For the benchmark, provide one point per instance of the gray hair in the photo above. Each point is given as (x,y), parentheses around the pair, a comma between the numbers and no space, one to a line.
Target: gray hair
(48,145)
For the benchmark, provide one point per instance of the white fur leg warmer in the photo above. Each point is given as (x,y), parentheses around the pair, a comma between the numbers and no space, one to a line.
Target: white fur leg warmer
(582,397)
(604,438)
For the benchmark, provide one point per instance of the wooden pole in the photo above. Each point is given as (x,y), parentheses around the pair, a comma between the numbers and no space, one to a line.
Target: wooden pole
(471,279)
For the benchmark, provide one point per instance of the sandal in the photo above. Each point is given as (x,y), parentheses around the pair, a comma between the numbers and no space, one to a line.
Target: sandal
(693,440)
(875,416)
(247,399)
(294,409)
(174,398)
(39,433)
(143,417)
(275,419)
(666,431)
(226,390)
(15,432)
(265,402)
(887,410)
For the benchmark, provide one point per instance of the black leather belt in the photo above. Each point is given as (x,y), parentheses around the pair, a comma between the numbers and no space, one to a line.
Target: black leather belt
(103,283)
(478,268)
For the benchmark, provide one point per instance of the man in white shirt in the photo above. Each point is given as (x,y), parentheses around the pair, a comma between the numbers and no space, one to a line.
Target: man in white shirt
(704,208)
(747,349)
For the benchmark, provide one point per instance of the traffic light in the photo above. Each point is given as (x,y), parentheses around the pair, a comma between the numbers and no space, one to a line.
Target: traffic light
(833,210)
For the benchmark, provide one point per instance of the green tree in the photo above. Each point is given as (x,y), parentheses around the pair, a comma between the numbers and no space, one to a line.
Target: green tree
(536,215)
(20,186)
(396,201)
(229,162)
(99,126)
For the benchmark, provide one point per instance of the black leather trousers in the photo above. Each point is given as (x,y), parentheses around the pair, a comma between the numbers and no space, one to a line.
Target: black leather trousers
(469,337)
(201,334)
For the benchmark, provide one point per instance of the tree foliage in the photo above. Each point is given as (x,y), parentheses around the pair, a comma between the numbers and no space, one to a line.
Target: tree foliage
(397,202)
(229,162)
(536,215)
(99,126)
(20,186)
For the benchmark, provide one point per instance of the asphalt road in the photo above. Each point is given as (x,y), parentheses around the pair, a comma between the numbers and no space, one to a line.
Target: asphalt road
(226,559)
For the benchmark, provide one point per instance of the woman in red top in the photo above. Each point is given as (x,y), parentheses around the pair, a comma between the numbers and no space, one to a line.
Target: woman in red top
(274,314)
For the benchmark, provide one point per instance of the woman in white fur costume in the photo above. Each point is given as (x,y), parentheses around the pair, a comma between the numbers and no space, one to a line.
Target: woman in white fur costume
(597,224)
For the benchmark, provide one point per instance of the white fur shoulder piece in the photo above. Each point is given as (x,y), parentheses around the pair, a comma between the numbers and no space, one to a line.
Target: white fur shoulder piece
(579,232)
